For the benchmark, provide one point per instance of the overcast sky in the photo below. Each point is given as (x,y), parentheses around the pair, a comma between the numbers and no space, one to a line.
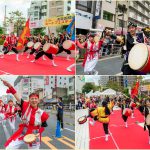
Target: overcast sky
(92,78)
(10,79)
(13,5)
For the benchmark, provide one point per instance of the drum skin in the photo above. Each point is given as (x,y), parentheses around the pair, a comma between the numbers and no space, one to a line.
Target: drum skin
(140,56)
(127,112)
(82,121)
(50,48)
(37,45)
(69,45)
(29,138)
(30,44)
(148,120)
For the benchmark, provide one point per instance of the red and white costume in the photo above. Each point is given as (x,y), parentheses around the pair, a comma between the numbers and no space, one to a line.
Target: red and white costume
(12,40)
(2,115)
(10,115)
(92,55)
(32,120)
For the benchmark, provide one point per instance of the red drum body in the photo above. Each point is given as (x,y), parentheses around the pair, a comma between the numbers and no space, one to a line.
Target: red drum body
(5,43)
(139,58)
(37,45)
(69,45)
(50,48)
(127,112)
(82,120)
(132,105)
(30,44)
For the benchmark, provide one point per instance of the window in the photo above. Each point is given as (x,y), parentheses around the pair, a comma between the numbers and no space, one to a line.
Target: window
(36,13)
(59,3)
(68,8)
(84,5)
(124,23)
(70,88)
(108,1)
(107,16)
(59,9)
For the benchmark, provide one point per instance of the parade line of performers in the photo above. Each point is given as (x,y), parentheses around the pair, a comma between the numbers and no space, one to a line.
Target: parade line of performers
(40,46)
(33,120)
(95,43)
(101,112)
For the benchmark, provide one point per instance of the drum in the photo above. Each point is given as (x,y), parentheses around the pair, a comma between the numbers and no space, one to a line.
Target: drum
(29,138)
(50,48)
(5,43)
(69,45)
(139,58)
(82,119)
(127,112)
(132,104)
(37,45)
(148,120)
(30,44)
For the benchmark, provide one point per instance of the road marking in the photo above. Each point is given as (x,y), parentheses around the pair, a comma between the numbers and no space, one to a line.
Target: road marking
(119,74)
(5,72)
(77,64)
(69,130)
(97,137)
(6,132)
(66,143)
(68,139)
(46,140)
(114,140)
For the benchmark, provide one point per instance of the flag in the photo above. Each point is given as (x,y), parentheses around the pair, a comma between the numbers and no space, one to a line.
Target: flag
(135,90)
(71,29)
(22,38)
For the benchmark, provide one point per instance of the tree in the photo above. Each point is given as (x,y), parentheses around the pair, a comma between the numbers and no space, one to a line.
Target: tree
(61,29)
(1,31)
(17,19)
(88,87)
(114,85)
(38,31)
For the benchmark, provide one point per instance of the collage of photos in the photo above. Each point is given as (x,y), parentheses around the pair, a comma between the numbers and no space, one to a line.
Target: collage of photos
(74,74)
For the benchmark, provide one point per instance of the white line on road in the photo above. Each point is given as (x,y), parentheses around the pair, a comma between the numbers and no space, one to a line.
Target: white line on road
(6,132)
(119,74)
(69,130)
(77,64)
(5,72)
(114,140)
(98,137)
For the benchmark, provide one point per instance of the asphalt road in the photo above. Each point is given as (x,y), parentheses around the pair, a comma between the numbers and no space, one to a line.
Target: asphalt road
(105,66)
(49,141)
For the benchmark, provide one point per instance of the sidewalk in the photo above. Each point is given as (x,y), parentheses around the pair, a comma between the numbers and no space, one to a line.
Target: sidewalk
(82,131)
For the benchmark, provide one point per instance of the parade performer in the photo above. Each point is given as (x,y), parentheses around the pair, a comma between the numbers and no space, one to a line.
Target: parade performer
(2,112)
(111,105)
(92,54)
(33,122)
(10,45)
(145,110)
(131,39)
(10,111)
(126,112)
(132,106)
(41,52)
(63,37)
(101,114)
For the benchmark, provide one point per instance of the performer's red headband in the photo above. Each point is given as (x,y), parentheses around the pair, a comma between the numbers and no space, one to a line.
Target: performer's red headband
(34,95)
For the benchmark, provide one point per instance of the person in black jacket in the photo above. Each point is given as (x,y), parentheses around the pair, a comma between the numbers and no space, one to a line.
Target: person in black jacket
(145,110)
(131,39)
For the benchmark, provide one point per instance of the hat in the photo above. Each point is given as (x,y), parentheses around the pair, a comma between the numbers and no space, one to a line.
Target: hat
(132,24)
(92,34)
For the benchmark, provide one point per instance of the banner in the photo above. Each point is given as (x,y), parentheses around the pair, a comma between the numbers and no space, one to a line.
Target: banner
(58,21)
(36,24)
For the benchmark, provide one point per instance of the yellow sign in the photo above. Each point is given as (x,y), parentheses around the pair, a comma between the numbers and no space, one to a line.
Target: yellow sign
(57,21)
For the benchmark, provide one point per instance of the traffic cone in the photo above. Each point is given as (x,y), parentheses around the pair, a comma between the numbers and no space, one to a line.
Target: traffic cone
(58,132)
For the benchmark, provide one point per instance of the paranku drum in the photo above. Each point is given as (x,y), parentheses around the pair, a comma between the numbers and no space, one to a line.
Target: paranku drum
(50,48)
(127,112)
(132,104)
(139,58)
(69,45)
(30,44)
(30,138)
(37,45)
(5,43)
(82,119)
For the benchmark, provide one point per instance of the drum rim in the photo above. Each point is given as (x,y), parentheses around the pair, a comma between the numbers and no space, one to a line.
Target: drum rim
(38,46)
(140,69)
(28,135)
(30,42)
(46,44)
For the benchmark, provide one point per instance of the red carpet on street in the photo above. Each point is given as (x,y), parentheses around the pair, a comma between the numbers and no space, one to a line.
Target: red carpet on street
(133,137)
(9,65)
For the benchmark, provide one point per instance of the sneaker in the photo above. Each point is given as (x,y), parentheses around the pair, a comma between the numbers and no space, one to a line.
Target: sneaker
(55,65)
(32,61)
(106,137)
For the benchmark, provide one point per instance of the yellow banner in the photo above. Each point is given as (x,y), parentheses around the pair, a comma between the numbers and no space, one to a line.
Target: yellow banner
(58,21)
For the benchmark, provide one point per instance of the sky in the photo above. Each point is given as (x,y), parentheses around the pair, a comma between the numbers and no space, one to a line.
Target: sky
(13,5)
(10,79)
(92,79)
